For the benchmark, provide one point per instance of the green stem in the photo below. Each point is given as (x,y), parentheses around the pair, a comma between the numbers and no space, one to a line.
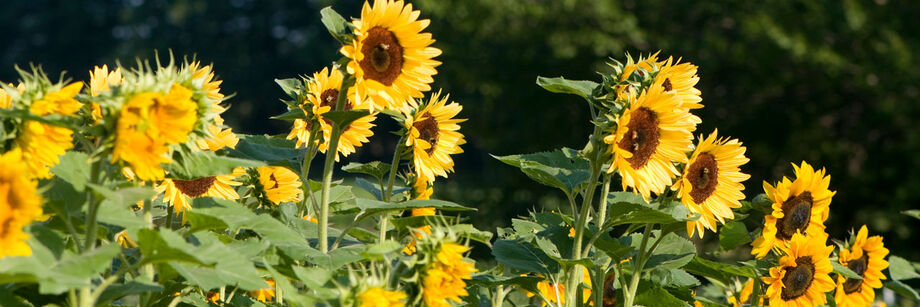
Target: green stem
(305,174)
(331,153)
(388,191)
(602,205)
(90,239)
(630,294)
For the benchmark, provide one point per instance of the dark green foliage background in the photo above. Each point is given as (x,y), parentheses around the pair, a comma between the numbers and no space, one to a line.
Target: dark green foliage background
(834,83)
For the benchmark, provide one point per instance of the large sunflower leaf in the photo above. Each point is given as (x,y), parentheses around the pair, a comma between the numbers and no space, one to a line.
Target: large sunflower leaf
(630,208)
(732,235)
(336,25)
(562,168)
(901,269)
(562,85)
(193,165)
(520,255)
(722,272)
(269,149)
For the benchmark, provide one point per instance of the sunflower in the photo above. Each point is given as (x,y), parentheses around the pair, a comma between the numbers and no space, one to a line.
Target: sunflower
(323,95)
(866,257)
(801,277)
(625,91)
(301,132)
(123,239)
(443,280)
(549,291)
(432,137)
(6,101)
(390,57)
(279,184)
(59,102)
(101,79)
(264,295)
(178,192)
(148,123)
(20,204)
(218,139)
(798,206)
(42,147)
(422,189)
(711,182)
(378,297)
(650,137)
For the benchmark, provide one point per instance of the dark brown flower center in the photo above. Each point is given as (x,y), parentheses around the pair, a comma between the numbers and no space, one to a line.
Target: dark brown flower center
(667,85)
(641,137)
(328,98)
(383,56)
(194,188)
(610,293)
(273,179)
(798,278)
(428,132)
(796,216)
(858,266)
(703,175)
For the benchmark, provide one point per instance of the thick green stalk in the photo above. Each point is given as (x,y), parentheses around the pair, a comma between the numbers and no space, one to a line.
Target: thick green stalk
(630,294)
(305,174)
(602,205)
(388,191)
(588,198)
(93,203)
(331,152)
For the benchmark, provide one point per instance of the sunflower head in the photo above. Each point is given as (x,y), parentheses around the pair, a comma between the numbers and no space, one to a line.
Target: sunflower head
(651,135)
(711,182)
(177,193)
(380,297)
(279,184)
(391,58)
(802,276)
(866,257)
(798,206)
(445,274)
(432,135)
(20,204)
(322,95)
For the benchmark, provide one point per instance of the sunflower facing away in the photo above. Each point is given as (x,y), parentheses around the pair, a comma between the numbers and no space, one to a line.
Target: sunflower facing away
(866,257)
(378,297)
(798,206)
(801,277)
(650,137)
(433,136)
(324,93)
(20,204)
(390,57)
(711,183)
(443,280)
(279,184)
(148,123)
(43,144)
(177,193)
(624,92)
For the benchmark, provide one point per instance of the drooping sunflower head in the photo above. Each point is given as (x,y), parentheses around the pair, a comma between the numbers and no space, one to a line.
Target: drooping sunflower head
(802,276)
(866,257)
(390,56)
(380,297)
(652,135)
(798,206)
(445,274)
(323,94)
(711,182)
(279,184)
(177,193)
(20,204)
(433,135)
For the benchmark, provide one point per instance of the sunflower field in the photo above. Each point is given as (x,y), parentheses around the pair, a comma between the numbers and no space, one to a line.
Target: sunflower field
(129,189)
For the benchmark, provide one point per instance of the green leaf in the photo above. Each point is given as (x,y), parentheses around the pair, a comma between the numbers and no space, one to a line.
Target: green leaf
(489,280)
(124,197)
(336,25)
(470,232)
(562,168)
(372,207)
(673,252)
(520,255)
(732,235)
(900,269)
(120,216)
(194,165)
(561,85)
(722,272)
(291,115)
(344,118)
(117,291)
(902,289)
(312,277)
(379,251)
(914,213)
(845,271)
(613,248)
(269,229)
(166,246)
(375,189)
(269,149)
(650,294)
(73,168)
(11,300)
(376,169)
(291,86)
(630,208)
(337,257)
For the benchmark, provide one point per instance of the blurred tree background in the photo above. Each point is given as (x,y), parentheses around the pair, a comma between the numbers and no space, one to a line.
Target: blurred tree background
(834,83)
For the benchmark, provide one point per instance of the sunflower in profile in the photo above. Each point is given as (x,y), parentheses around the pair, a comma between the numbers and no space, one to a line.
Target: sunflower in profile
(444,278)
(6,101)
(798,206)
(43,144)
(866,257)
(647,64)
(177,193)
(101,80)
(20,204)
(266,294)
(652,135)
(323,95)
(801,277)
(279,184)
(421,189)
(549,290)
(391,59)
(433,136)
(711,182)
(301,132)
(378,297)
